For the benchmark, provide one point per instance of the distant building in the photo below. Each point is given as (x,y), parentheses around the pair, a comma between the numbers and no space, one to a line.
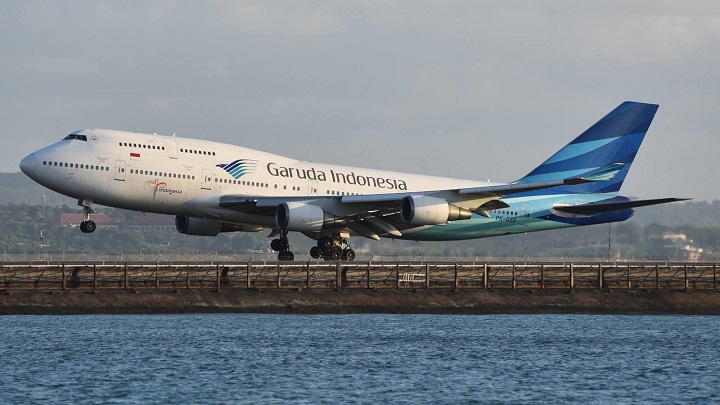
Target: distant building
(73,220)
(680,241)
(675,237)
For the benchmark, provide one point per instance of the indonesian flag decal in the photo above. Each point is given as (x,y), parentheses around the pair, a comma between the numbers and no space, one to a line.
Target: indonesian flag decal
(134,156)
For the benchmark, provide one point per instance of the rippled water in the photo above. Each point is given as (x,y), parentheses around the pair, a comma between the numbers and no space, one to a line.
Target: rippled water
(359,359)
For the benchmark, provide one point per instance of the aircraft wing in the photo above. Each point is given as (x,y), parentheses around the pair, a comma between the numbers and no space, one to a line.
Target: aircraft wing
(605,173)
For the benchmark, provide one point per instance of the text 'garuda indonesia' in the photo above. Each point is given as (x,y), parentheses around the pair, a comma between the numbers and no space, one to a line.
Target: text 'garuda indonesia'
(336,177)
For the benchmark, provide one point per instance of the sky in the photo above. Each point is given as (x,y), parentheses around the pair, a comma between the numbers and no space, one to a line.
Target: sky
(483,90)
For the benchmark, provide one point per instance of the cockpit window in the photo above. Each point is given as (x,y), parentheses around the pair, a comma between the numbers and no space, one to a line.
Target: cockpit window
(76,137)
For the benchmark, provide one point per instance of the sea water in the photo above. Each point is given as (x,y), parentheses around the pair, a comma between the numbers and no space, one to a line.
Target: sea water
(252,358)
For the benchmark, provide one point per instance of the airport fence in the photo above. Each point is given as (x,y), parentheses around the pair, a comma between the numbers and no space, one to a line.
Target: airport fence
(85,275)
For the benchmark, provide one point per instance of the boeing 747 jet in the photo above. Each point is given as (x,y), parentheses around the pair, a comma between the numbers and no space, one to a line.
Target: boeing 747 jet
(213,187)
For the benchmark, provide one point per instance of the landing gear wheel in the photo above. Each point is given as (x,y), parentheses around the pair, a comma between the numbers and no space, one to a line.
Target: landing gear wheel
(286,256)
(335,255)
(315,252)
(276,245)
(89,226)
(348,255)
(325,242)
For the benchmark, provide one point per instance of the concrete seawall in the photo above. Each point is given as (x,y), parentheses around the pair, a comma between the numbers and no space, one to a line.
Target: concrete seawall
(360,301)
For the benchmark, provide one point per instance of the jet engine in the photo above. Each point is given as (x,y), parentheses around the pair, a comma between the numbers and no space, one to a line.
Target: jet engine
(424,210)
(208,227)
(302,217)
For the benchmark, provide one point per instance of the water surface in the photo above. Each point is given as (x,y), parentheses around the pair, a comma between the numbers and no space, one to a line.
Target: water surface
(251,358)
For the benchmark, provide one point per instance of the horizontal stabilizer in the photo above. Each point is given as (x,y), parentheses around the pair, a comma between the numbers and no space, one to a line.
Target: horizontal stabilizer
(602,207)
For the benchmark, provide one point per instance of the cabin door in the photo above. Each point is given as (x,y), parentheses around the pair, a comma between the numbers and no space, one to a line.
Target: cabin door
(525,214)
(120,170)
(312,187)
(206,179)
(172,148)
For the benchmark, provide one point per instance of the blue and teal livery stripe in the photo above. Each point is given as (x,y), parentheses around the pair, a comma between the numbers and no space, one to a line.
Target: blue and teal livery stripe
(239,167)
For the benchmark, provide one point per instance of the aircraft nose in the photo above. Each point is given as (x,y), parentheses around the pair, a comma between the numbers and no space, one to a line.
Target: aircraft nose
(27,165)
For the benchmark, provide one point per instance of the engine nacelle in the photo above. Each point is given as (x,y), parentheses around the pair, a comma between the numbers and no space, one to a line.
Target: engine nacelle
(208,227)
(301,217)
(424,210)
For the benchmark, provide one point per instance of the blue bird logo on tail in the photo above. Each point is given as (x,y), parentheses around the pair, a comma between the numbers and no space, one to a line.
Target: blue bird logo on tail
(240,167)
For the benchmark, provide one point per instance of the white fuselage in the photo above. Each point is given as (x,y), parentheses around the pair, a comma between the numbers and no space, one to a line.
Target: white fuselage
(181,176)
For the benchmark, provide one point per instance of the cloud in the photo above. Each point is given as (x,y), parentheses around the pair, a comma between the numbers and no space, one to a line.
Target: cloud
(289,19)
(645,39)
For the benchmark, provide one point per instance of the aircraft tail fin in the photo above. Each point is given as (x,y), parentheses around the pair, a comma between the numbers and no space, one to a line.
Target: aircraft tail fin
(611,142)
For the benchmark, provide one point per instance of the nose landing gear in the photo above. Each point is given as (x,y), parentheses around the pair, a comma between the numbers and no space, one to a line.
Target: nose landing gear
(87,225)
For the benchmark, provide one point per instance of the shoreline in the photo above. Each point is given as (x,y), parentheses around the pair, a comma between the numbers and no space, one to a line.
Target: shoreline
(360,301)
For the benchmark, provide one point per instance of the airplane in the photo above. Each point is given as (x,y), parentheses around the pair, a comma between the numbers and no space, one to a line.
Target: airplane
(213,187)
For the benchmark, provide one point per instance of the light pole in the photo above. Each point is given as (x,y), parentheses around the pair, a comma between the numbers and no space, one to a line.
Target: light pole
(609,239)
(42,239)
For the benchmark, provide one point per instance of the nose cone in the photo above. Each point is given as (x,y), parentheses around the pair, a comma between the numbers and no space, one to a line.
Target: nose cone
(27,165)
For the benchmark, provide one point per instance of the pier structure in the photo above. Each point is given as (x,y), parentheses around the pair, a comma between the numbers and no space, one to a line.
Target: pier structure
(319,275)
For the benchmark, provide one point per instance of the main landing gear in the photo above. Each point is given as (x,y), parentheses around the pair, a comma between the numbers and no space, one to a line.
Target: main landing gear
(282,246)
(333,248)
(328,248)
(87,225)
